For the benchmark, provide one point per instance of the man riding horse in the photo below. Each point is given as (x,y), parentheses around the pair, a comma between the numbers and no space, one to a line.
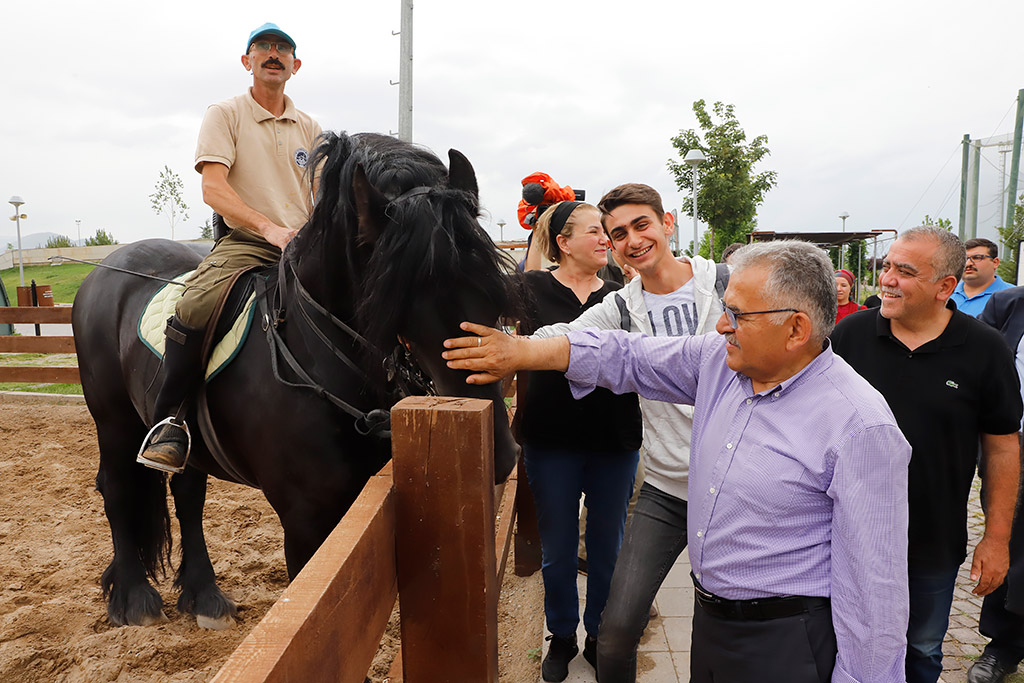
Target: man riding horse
(252,153)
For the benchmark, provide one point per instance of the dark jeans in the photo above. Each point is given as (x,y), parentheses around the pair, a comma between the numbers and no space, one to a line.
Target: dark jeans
(931,595)
(797,649)
(654,538)
(557,479)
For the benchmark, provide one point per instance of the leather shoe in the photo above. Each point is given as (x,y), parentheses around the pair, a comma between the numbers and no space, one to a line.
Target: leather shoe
(988,669)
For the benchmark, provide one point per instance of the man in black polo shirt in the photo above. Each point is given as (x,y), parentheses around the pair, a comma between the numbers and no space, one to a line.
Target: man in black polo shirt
(950,382)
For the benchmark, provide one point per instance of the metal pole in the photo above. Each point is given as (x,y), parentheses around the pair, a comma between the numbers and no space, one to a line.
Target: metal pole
(21,264)
(1018,128)
(972,193)
(694,207)
(78,224)
(405,75)
(963,184)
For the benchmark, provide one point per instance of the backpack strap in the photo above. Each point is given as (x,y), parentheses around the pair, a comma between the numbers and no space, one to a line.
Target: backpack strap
(721,279)
(624,322)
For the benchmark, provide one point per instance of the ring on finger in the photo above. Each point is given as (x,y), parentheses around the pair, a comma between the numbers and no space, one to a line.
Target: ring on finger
(479,341)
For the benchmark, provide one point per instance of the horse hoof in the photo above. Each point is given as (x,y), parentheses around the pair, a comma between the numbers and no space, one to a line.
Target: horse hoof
(218,624)
(154,620)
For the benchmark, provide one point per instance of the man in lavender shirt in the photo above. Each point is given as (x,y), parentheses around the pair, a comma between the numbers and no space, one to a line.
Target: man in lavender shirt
(798,472)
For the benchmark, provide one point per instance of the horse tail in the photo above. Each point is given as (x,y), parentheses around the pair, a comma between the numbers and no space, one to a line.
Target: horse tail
(140,495)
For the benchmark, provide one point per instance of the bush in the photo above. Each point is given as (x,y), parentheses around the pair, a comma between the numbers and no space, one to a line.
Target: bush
(102,237)
(58,241)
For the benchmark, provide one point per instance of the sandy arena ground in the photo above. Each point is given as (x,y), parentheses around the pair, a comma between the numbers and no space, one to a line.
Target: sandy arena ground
(55,543)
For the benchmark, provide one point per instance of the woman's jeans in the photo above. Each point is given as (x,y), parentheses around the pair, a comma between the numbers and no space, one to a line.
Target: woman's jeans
(655,538)
(558,478)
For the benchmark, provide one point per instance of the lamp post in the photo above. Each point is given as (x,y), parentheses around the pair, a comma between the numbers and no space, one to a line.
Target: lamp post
(844,215)
(17,201)
(501,228)
(78,224)
(693,159)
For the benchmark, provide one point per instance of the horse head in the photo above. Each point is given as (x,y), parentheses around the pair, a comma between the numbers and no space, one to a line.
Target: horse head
(417,261)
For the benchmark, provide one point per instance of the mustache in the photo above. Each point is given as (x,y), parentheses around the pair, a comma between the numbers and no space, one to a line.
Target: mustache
(272,60)
(731,338)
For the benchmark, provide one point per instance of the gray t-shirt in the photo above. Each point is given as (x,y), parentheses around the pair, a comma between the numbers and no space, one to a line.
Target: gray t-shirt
(673,314)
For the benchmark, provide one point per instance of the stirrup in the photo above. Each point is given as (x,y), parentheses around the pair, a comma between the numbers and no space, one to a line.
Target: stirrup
(160,466)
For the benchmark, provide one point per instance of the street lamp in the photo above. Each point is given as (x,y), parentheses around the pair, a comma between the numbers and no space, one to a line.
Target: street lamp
(78,224)
(17,201)
(501,228)
(844,215)
(693,159)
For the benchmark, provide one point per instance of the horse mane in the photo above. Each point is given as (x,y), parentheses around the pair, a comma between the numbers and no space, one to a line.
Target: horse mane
(431,242)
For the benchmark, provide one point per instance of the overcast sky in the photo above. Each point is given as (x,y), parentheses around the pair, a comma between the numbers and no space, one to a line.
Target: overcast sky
(864,104)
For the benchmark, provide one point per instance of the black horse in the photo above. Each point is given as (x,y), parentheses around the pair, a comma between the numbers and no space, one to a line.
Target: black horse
(392,251)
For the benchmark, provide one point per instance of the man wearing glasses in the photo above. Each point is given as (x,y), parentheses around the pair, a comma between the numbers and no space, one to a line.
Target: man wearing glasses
(951,383)
(252,154)
(979,280)
(797,511)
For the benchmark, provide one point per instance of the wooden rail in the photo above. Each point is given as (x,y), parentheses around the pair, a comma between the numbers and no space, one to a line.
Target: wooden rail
(40,315)
(432,535)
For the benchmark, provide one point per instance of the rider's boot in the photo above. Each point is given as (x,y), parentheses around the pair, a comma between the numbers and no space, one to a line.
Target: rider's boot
(167,450)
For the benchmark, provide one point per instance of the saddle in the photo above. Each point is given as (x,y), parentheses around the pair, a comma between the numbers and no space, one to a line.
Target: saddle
(227,329)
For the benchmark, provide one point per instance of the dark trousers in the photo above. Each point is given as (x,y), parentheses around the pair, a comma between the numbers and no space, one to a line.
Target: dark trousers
(1005,628)
(797,649)
(655,537)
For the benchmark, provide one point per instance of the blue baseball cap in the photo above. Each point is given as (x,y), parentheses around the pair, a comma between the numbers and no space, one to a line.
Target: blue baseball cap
(268,27)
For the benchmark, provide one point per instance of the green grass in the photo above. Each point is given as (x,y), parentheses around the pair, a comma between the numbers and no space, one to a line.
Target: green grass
(42,388)
(64,280)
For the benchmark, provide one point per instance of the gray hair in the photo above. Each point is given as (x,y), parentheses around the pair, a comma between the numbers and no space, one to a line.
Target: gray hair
(800,276)
(950,257)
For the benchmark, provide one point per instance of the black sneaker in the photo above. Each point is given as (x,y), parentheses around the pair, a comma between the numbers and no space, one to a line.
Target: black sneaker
(590,651)
(561,651)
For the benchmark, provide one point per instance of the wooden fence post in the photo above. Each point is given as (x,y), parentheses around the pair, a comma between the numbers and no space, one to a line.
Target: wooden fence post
(444,518)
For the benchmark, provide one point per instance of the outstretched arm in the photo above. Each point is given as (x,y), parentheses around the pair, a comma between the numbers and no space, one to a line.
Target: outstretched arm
(491,354)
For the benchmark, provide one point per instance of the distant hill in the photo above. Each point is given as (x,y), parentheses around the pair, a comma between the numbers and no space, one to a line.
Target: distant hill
(33,241)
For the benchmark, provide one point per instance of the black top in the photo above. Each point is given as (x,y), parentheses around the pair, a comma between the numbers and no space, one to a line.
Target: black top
(943,394)
(548,415)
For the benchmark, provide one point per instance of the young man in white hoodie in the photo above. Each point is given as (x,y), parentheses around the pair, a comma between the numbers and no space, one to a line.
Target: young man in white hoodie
(670,298)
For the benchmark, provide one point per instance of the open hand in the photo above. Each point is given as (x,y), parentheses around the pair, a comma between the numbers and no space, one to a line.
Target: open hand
(490,354)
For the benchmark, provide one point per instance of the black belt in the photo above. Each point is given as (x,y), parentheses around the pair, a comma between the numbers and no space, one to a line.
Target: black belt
(760,609)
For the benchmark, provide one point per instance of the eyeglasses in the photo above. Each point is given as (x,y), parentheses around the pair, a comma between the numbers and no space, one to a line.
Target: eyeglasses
(978,258)
(734,316)
(282,48)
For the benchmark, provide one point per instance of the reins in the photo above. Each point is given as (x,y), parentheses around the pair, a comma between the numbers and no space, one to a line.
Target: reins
(398,364)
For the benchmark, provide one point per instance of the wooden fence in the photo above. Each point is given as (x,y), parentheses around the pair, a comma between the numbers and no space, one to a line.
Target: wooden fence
(45,315)
(428,533)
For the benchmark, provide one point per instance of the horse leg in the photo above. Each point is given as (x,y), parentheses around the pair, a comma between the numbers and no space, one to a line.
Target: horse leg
(200,595)
(135,502)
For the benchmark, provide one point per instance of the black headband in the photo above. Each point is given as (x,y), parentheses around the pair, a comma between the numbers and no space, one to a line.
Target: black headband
(558,219)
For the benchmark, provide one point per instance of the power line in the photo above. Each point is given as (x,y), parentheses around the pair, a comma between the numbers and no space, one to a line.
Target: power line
(952,154)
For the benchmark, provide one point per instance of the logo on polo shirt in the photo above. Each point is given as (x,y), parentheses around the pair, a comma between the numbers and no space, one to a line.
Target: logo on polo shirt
(301,157)
(951,384)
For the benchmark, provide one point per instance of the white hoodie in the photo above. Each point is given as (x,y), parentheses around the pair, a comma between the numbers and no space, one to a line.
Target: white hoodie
(667,426)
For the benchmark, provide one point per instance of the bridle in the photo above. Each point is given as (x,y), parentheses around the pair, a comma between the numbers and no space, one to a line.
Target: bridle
(402,373)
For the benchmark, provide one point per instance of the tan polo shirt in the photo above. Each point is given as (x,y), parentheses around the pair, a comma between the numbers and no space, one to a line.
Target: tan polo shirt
(266,156)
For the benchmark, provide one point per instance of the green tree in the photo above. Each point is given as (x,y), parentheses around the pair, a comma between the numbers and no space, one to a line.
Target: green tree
(939,222)
(1012,238)
(102,237)
(206,230)
(57,242)
(166,198)
(728,189)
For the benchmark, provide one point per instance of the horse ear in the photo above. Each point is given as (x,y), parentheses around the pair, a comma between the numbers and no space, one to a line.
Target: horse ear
(461,175)
(370,206)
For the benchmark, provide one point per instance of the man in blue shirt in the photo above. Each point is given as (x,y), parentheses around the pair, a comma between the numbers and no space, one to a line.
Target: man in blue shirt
(979,281)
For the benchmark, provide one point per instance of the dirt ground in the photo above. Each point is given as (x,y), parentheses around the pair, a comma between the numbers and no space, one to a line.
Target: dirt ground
(55,543)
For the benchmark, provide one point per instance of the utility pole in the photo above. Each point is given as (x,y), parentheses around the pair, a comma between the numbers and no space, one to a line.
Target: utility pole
(963,184)
(405,75)
(1018,128)
(972,192)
